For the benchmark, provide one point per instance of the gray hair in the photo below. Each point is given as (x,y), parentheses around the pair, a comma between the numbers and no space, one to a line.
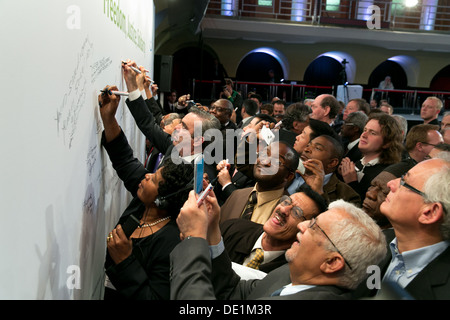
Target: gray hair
(359,239)
(437,189)
(359,119)
(209,121)
(171,117)
(403,124)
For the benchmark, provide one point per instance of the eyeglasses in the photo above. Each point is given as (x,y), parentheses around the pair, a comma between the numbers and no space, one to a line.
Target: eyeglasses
(403,183)
(264,157)
(220,109)
(349,124)
(430,144)
(297,212)
(312,224)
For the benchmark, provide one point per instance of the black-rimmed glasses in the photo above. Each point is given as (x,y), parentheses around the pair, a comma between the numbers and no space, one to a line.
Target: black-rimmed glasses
(312,224)
(410,187)
(430,144)
(297,212)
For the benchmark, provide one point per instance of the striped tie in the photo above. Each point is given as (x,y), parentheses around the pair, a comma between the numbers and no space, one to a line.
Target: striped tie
(248,211)
(257,259)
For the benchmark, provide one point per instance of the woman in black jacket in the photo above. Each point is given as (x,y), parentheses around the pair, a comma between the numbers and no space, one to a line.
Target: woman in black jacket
(138,267)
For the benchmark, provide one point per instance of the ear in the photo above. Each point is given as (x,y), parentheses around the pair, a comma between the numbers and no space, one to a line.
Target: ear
(332,164)
(198,141)
(432,213)
(290,176)
(419,146)
(327,110)
(333,263)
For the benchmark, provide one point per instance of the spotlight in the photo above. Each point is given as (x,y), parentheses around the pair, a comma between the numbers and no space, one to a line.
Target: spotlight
(410,3)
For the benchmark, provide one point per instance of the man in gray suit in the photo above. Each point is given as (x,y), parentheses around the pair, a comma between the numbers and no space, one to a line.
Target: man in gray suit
(329,259)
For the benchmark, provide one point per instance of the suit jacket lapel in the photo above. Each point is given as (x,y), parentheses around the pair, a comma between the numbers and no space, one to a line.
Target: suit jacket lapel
(435,274)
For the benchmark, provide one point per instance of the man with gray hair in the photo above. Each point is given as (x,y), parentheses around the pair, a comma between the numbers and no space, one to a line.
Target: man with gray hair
(418,207)
(328,261)
(403,124)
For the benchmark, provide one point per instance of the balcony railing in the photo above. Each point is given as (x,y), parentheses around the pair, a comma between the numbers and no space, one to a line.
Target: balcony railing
(426,16)
(403,101)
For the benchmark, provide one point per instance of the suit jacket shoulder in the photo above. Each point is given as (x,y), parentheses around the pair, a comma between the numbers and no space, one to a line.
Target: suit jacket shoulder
(432,283)
(233,207)
(239,237)
(336,189)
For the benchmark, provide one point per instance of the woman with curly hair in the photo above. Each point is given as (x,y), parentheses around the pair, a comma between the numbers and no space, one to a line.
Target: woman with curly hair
(137,267)
(381,145)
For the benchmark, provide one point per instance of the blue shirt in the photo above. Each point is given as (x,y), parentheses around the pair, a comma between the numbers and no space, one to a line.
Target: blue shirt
(405,266)
(298,181)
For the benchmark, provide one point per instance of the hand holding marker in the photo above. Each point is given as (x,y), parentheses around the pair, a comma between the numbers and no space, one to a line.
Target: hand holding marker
(139,71)
(122,93)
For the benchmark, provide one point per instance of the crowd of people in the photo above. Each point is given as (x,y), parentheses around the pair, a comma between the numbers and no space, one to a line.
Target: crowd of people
(306,199)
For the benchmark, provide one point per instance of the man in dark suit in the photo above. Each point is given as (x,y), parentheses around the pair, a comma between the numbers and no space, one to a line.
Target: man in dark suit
(233,176)
(321,158)
(351,131)
(222,109)
(417,207)
(323,264)
(274,168)
(243,238)
(185,143)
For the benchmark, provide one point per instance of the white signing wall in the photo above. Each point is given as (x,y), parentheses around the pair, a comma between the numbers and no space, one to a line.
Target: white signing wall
(59,196)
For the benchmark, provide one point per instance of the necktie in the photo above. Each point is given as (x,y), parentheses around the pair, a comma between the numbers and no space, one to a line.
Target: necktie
(257,259)
(248,211)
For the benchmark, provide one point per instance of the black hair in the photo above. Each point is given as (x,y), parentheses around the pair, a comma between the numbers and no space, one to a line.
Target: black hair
(175,177)
(318,200)
(322,128)
(265,117)
(250,106)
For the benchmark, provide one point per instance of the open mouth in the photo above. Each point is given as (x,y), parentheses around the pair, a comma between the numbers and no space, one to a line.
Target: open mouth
(278,219)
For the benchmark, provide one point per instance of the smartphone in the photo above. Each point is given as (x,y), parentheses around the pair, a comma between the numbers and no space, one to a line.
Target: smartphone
(267,135)
(198,174)
(130,224)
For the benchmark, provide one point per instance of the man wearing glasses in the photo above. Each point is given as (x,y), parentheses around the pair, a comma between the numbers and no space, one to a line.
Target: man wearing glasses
(418,207)
(274,169)
(244,239)
(328,260)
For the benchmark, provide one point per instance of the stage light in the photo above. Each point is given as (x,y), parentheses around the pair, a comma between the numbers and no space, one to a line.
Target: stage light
(411,3)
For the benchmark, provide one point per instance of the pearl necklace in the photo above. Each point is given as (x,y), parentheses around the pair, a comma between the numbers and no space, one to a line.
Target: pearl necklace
(153,223)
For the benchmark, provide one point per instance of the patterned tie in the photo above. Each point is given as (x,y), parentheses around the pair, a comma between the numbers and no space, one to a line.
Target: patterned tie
(257,259)
(248,211)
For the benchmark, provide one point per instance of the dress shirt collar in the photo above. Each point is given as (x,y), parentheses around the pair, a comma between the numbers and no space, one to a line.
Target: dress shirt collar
(417,259)
(268,255)
(352,144)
